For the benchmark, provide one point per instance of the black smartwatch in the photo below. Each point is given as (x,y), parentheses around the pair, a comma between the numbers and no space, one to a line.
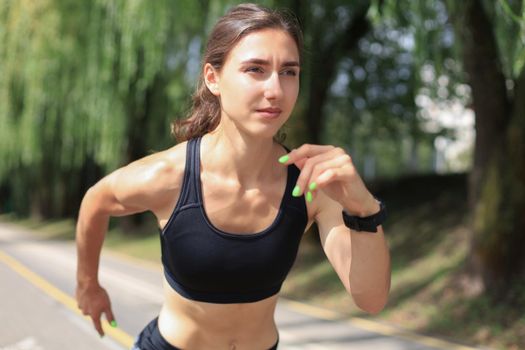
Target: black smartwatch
(367,223)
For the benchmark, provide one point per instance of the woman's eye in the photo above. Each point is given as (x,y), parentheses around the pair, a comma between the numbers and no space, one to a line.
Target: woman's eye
(254,69)
(290,72)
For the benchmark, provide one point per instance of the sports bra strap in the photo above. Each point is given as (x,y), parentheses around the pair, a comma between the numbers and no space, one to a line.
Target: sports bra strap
(188,196)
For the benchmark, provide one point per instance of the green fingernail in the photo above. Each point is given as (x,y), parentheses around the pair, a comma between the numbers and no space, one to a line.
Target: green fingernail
(313,186)
(114,324)
(284,159)
(309,196)
(296,191)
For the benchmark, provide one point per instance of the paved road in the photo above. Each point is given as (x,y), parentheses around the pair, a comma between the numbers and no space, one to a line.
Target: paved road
(38,312)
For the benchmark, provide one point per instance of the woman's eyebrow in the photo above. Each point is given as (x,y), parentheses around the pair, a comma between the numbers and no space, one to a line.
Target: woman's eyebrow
(267,63)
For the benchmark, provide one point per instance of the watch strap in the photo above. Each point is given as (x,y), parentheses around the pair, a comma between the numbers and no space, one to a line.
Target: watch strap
(368,223)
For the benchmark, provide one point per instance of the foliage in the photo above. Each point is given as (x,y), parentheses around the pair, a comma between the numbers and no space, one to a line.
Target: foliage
(63,79)
(76,76)
(86,87)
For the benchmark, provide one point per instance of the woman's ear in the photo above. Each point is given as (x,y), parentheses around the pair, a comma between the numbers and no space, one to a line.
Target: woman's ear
(211,79)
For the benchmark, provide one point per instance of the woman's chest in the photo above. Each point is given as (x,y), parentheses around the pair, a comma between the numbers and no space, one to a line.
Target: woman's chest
(240,212)
(231,208)
(245,211)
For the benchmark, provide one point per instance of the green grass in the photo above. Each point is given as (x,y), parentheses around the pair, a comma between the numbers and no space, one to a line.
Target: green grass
(428,235)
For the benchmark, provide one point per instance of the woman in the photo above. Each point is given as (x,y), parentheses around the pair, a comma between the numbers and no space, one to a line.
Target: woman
(231,204)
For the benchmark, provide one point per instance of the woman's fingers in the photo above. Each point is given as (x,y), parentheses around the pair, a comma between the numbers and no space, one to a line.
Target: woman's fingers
(329,169)
(96,322)
(314,160)
(301,154)
(96,318)
(302,184)
(110,317)
(94,304)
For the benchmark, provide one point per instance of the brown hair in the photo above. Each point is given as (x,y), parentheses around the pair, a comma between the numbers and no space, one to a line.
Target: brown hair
(241,20)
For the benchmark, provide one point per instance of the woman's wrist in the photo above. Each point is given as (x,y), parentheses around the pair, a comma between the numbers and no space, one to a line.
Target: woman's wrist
(86,281)
(371,207)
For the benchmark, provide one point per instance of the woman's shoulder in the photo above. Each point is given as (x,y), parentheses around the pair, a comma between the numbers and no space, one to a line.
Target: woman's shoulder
(164,169)
(153,179)
(158,165)
(169,160)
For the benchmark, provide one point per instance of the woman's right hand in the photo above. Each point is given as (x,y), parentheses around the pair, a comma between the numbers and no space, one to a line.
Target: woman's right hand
(93,300)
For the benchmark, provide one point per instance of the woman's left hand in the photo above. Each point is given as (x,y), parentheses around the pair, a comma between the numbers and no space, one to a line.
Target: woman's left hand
(330,169)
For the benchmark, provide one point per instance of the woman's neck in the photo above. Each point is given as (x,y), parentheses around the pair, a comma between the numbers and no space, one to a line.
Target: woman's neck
(248,161)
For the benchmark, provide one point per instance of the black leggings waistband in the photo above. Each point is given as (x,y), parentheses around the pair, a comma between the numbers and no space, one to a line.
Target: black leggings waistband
(151,339)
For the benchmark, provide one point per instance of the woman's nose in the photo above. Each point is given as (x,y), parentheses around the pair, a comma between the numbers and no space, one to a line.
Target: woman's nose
(273,88)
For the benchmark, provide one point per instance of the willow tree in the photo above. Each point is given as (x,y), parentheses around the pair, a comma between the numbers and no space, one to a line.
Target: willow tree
(88,86)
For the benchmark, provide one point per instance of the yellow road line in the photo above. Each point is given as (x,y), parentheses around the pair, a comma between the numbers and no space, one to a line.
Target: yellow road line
(374,326)
(115,333)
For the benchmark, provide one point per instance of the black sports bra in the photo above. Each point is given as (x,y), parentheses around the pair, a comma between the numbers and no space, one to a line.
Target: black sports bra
(204,263)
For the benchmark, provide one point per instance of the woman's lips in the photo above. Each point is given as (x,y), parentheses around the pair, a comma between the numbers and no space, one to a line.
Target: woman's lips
(270,112)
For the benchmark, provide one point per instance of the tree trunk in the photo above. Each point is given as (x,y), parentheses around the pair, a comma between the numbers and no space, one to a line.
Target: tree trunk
(325,50)
(497,181)
(326,60)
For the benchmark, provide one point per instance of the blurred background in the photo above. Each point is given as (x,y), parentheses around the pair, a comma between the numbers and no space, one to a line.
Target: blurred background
(427,96)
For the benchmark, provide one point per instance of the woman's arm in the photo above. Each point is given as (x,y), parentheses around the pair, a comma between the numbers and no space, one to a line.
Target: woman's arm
(98,205)
(137,187)
(361,259)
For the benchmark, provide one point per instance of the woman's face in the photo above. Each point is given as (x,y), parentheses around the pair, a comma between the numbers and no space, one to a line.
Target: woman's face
(259,82)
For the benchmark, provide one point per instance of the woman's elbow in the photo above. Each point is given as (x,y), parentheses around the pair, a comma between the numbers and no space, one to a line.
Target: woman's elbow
(373,308)
(371,304)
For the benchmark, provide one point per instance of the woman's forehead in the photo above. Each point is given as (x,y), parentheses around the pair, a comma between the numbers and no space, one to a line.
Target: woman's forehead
(268,45)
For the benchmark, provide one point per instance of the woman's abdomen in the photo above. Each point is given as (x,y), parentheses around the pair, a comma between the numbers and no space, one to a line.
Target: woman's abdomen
(191,324)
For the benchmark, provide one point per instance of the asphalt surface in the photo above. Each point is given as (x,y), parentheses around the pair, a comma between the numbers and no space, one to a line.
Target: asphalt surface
(38,311)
